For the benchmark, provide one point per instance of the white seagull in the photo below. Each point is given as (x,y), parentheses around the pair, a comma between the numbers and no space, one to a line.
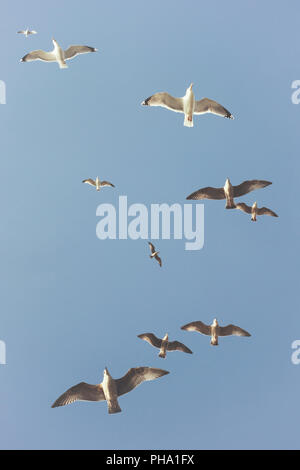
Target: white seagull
(229,192)
(58,54)
(154,254)
(215,330)
(109,389)
(187,105)
(27,32)
(254,210)
(97,183)
(164,344)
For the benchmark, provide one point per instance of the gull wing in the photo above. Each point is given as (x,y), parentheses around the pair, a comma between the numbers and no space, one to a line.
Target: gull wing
(177,346)
(152,247)
(198,326)
(90,181)
(158,259)
(39,55)
(248,186)
(210,106)
(73,51)
(151,339)
(208,193)
(80,392)
(232,330)
(107,183)
(165,101)
(243,207)
(136,376)
(266,211)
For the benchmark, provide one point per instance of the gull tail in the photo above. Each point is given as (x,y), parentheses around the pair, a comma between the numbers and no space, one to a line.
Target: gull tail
(63,65)
(214,342)
(188,121)
(162,354)
(113,407)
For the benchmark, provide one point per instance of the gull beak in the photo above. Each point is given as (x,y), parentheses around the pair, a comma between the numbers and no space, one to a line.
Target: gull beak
(191,86)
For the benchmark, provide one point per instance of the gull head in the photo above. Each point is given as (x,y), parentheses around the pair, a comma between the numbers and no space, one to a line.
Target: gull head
(254,205)
(166,337)
(215,322)
(54,42)
(106,371)
(189,89)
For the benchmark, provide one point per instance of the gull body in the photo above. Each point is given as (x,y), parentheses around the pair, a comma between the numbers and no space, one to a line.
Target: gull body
(187,105)
(228,190)
(164,346)
(110,392)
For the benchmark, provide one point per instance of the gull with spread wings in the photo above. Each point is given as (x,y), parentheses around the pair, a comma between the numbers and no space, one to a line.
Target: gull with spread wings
(110,389)
(154,253)
(164,344)
(215,330)
(254,210)
(57,54)
(229,192)
(27,32)
(187,105)
(97,183)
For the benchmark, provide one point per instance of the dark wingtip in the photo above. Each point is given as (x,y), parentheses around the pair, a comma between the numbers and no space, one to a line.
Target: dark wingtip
(146,101)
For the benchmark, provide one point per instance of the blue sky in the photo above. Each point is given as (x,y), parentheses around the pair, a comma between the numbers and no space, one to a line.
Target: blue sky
(72,304)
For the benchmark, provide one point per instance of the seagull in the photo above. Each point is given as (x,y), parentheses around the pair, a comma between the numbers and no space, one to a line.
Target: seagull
(215,330)
(97,183)
(154,253)
(229,192)
(187,105)
(27,32)
(254,210)
(164,344)
(110,389)
(58,54)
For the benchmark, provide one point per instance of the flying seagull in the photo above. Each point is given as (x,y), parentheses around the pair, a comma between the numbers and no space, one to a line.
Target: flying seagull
(229,192)
(187,105)
(98,184)
(215,330)
(58,54)
(27,32)
(110,389)
(164,344)
(254,210)
(154,253)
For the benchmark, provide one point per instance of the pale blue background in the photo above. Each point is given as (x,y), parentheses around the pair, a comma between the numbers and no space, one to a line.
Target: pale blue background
(71,304)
